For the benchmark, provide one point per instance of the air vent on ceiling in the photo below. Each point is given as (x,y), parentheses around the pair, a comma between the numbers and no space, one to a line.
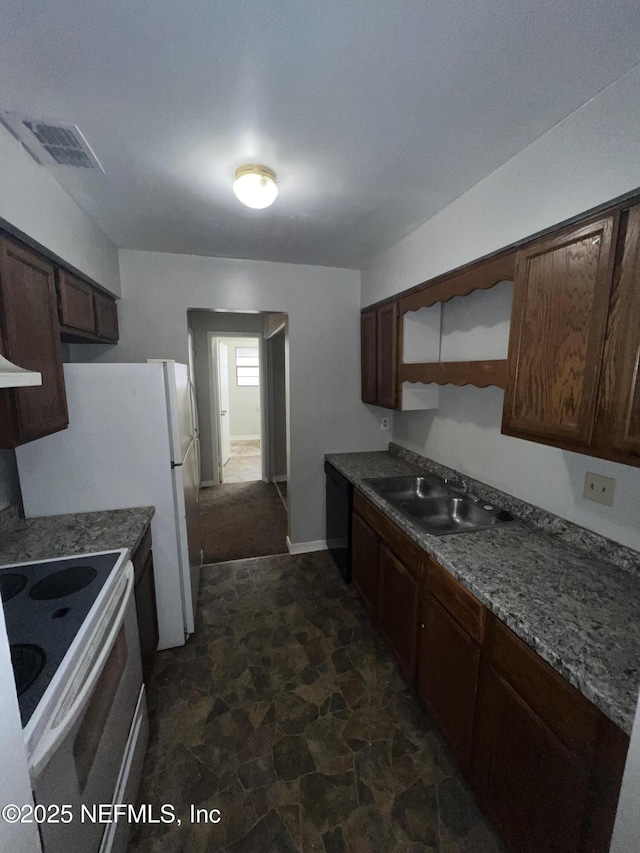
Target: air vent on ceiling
(51,143)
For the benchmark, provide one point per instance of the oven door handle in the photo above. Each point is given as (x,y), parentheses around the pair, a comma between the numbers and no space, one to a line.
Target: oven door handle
(75,699)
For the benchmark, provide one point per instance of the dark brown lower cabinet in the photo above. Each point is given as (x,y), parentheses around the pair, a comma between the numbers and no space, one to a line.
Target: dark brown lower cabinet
(398,605)
(364,563)
(539,771)
(533,787)
(545,763)
(448,677)
(146,611)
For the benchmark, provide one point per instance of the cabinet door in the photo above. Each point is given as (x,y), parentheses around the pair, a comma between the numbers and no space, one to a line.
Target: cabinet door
(106,312)
(448,666)
(76,303)
(369,357)
(364,563)
(561,301)
(623,362)
(533,787)
(387,355)
(398,607)
(30,337)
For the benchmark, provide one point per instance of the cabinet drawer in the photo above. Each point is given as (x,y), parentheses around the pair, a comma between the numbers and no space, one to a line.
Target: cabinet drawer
(409,553)
(561,707)
(468,612)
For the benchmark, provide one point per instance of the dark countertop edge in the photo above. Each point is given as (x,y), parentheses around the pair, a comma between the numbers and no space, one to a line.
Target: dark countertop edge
(428,544)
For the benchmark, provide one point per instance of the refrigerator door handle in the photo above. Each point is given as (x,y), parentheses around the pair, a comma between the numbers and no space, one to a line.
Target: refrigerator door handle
(195,426)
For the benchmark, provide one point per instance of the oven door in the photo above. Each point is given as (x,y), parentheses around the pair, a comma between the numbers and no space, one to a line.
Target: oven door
(78,759)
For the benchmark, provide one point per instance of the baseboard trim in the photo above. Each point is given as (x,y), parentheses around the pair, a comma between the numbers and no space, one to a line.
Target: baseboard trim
(306,547)
(205,483)
(282,478)
(245,437)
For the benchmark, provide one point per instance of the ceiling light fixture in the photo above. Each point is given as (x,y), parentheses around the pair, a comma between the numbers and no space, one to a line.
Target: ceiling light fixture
(255,186)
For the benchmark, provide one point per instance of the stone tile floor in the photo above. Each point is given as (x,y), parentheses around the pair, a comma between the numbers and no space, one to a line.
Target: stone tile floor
(285,712)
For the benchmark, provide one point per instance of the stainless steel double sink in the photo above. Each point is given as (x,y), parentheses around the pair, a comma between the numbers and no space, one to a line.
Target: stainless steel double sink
(440,507)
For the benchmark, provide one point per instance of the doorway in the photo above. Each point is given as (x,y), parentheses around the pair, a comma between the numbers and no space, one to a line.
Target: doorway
(243,501)
(237,410)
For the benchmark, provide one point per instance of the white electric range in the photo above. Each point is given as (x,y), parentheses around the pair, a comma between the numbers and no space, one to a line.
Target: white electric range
(75,651)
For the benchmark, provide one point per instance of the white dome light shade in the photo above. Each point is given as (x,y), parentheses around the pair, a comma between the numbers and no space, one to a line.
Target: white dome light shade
(255,186)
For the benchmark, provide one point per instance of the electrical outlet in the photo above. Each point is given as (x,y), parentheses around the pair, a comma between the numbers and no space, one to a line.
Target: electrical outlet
(599,489)
(384,423)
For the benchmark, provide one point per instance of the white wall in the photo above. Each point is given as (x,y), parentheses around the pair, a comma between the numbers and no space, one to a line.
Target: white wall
(244,400)
(323,305)
(32,201)
(591,157)
(35,203)
(464,433)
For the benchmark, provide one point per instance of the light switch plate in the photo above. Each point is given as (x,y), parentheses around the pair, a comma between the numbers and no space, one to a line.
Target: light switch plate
(599,488)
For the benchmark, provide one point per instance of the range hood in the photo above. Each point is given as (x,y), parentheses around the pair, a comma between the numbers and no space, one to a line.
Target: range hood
(12,376)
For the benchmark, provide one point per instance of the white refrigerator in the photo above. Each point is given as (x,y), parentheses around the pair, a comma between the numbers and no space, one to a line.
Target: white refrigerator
(132,441)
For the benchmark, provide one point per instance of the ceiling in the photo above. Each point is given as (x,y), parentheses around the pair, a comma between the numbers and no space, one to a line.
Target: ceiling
(375,114)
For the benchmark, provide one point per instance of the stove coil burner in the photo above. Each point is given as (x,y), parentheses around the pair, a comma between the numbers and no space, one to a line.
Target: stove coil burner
(28,662)
(62,583)
(11,584)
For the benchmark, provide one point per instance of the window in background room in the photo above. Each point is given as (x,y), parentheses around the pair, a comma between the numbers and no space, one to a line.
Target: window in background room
(247,372)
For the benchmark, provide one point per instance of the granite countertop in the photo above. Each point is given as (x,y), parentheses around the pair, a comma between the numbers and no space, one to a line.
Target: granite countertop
(23,540)
(572,596)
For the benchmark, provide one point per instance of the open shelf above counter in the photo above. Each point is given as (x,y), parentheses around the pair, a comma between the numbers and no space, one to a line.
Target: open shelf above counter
(478,373)
(481,275)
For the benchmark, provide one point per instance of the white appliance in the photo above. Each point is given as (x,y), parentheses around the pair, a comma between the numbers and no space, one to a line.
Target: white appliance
(131,441)
(75,653)
(15,787)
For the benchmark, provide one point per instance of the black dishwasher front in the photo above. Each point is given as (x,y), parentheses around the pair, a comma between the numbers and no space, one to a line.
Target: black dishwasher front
(339,506)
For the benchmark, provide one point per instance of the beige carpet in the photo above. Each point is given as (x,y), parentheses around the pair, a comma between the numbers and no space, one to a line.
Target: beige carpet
(245,463)
(239,520)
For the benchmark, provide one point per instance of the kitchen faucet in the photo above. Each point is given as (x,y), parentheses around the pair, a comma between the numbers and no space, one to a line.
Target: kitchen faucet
(461,484)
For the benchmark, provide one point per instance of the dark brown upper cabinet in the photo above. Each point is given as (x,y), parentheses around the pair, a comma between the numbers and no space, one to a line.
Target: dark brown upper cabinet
(75,303)
(379,356)
(30,337)
(558,323)
(86,314)
(369,357)
(106,312)
(618,422)
(573,348)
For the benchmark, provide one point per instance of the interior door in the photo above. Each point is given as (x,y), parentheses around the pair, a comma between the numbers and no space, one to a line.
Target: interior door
(223,405)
